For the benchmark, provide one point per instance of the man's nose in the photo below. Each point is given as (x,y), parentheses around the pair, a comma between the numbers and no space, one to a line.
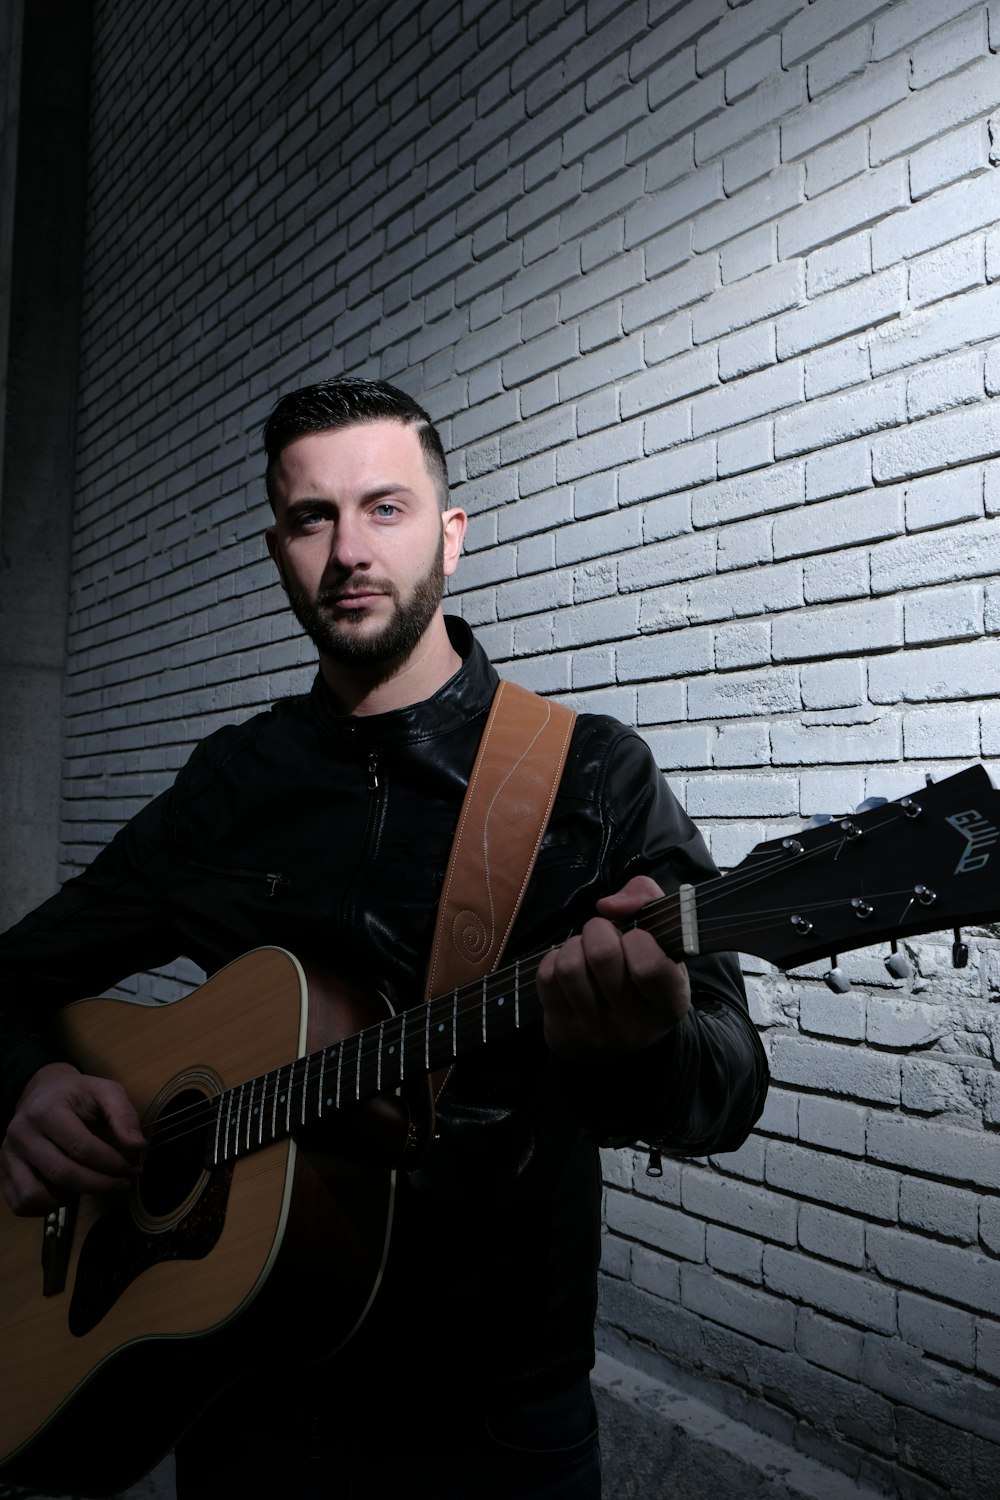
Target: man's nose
(349,547)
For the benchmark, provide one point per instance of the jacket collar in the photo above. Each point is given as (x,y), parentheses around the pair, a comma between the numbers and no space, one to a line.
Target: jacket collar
(463,697)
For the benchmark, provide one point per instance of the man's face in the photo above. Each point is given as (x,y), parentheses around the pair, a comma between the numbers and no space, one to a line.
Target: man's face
(360,541)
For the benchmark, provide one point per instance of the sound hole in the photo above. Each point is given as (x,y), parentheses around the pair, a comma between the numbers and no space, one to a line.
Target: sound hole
(176,1160)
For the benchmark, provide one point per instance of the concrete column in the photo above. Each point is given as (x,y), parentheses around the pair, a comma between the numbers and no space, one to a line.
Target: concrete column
(44,86)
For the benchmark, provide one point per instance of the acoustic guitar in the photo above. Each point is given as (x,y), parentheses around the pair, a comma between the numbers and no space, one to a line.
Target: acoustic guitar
(255,1195)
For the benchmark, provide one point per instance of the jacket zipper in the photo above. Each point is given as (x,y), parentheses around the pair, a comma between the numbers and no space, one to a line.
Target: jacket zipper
(272,879)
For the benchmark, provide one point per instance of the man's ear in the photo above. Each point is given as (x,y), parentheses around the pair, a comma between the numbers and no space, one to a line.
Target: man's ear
(271,538)
(453,524)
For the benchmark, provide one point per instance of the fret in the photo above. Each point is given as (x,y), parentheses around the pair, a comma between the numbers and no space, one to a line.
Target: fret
(378,1058)
(483,1007)
(260,1109)
(250,1114)
(517,992)
(218,1121)
(357,1067)
(340,1068)
(274,1106)
(305,1089)
(402,1047)
(319,1084)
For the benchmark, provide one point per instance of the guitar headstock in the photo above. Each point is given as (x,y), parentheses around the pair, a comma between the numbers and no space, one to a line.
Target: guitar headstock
(922,863)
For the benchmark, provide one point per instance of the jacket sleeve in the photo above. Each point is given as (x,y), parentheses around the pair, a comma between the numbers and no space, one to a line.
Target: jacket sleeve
(701,1088)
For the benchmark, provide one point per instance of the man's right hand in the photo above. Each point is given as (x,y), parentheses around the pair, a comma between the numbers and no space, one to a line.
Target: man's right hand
(70,1134)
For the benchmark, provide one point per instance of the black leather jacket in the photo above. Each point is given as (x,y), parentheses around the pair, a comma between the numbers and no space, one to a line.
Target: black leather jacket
(328,835)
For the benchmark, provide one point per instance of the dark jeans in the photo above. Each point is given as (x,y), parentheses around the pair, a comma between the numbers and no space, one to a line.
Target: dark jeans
(542,1449)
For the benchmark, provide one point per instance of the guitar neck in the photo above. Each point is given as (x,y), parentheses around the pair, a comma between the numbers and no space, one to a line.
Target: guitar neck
(405,1046)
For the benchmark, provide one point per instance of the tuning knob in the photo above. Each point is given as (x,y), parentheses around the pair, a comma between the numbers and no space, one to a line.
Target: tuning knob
(835,977)
(869,803)
(897,963)
(959,952)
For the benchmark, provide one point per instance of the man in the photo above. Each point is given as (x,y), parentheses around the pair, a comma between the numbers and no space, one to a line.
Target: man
(324,827)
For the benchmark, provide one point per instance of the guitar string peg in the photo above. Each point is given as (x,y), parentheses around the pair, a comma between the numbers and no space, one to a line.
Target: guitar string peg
(959,952)
(897,963)
(869,803)
(835,978)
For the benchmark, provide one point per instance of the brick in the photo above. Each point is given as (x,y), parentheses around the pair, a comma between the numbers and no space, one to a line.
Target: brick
(841,470)
(751,301)
(746,644)
(832,1124)
(734,1254)
(747,795)
(957,267)
(958,1156)
(949,325)
(826,525)
(769,102)
(866,98)
(811,31)
(837,1071)
(839,736)
(944,615)
(954,211)
(841,312)
(748,163)
(741,546)
(666,562)
(839,61)
(905,1375)
(839,418)
(833,1236)
(761,591)
(742,694)
(739,29)
(935,1208)
(835,684)
(829,166)
(669,382)
(901,25)
(937,443)
(839,264)
(828,1344)
(758,204)
(860,1299)
(933,110)
(843,210)
(764,1318)
(751,252)
(751,67)
(959,154)
(675,654)
(742,745)
(749,448)
(747,399)
(840,1016)
(680,749)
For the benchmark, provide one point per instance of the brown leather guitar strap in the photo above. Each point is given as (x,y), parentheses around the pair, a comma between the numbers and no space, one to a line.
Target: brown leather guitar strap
(499,833)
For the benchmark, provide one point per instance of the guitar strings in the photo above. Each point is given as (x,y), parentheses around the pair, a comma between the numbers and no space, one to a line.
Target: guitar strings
(660,918)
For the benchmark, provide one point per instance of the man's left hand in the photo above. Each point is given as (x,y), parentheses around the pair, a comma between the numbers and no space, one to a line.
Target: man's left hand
(609,991)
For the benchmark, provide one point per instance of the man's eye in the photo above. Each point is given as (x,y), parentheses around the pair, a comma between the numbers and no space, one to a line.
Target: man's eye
(386,508)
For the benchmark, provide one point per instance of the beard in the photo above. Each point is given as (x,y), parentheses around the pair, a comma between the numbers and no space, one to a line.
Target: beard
(387,649)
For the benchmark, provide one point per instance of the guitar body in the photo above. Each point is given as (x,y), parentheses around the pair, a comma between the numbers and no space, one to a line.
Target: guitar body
(174,1290)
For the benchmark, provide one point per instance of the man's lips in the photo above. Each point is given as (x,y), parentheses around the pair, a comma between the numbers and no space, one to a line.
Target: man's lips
(354,599)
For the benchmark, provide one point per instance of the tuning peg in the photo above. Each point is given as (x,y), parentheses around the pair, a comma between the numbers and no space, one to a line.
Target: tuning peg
(897,963)
(869,803)
(819,820)
(835,977)
(959,952)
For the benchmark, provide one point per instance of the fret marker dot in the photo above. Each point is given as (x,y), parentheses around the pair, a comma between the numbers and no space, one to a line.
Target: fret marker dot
(391,1051)
(500,999)
(329,1102)
(441,1026)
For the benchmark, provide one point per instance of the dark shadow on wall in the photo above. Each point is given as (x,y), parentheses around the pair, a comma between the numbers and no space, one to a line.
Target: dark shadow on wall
(44,82)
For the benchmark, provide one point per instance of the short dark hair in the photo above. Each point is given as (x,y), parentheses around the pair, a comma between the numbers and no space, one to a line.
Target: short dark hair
(346,402)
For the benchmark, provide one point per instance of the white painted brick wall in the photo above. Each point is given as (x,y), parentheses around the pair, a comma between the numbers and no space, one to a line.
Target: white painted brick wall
(703,297)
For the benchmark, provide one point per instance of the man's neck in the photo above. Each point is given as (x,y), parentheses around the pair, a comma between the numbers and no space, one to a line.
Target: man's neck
(363,691)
